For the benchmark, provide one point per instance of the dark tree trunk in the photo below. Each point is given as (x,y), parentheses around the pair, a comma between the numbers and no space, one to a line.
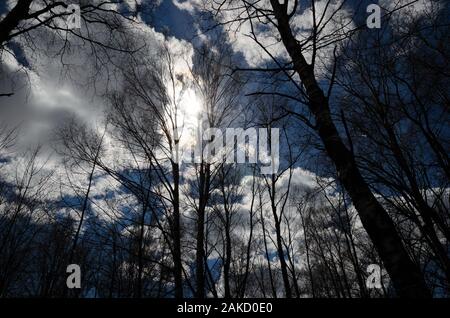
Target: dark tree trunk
(280,251)
(200,255)
(227,262)
(178,269)
(269,267)
(405,275)
(249,244)
(308,262)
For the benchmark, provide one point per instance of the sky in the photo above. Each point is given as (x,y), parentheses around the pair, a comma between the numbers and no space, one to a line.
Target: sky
(47,93)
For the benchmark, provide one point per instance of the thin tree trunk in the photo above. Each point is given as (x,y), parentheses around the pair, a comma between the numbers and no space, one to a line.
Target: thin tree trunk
(308,262)
(227,264)
(178,267)
(269,267)
(249,244)
(200,254)
(280,251)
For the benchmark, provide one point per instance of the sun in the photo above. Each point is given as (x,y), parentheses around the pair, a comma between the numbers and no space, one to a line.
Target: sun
(191,106)
(191,112)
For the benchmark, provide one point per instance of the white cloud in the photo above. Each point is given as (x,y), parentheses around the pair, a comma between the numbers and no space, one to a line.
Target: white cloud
(240,32)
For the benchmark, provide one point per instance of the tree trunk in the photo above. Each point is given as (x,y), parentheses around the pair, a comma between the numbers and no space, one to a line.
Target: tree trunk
(280,251)
(405,275)
(249,244)
(308,262)
(200,255)
(178,269)
(227,263)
